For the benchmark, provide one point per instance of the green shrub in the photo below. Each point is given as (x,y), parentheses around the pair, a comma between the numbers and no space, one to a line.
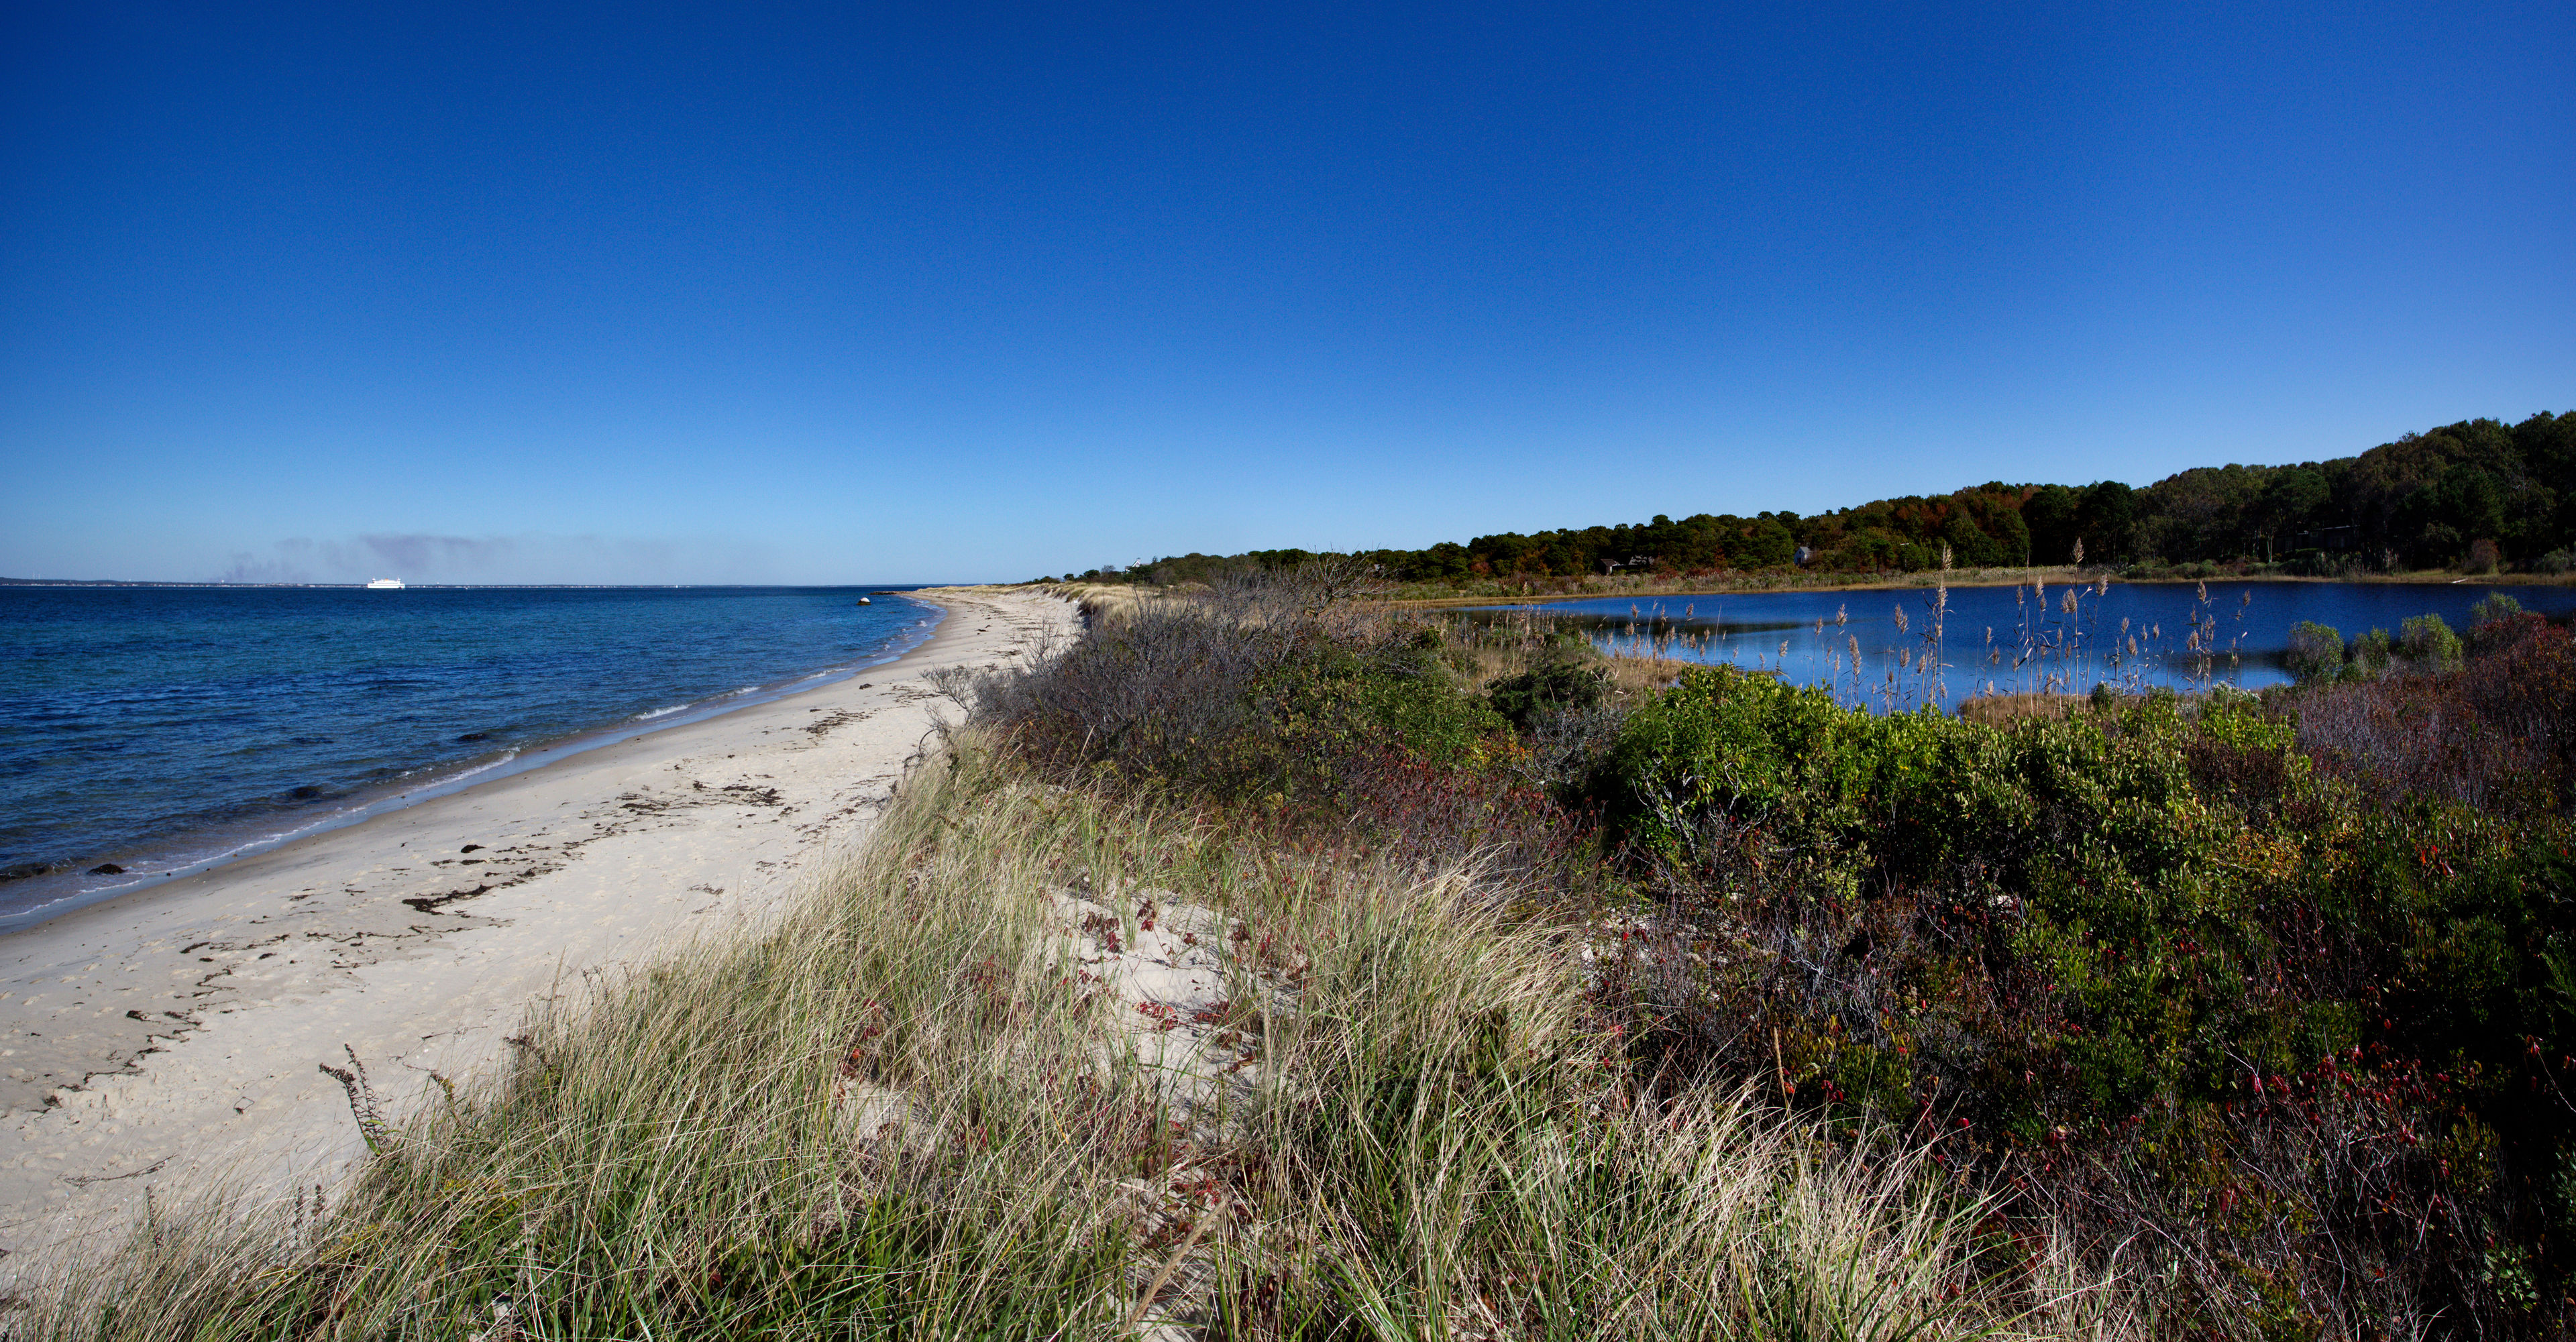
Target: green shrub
(1338,697)
(2494,608)
(1903,797)
(1556,684)
(1259,689)
(2316,651)
(2428,645)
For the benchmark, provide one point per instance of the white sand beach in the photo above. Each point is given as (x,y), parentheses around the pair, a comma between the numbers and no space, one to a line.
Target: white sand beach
(174,1040)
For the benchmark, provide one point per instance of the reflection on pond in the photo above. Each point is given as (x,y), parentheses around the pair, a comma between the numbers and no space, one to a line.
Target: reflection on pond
(1893,650)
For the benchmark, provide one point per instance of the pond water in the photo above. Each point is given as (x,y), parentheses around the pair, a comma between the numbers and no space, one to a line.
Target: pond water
(1895,650)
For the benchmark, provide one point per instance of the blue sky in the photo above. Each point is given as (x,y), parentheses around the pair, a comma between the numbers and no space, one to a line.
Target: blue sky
(873,293)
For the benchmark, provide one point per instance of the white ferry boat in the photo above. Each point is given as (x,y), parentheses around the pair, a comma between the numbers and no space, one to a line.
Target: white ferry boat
(385,585)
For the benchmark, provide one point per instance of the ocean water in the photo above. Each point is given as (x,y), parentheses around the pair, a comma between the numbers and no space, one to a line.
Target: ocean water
(1878,648)
(160,729)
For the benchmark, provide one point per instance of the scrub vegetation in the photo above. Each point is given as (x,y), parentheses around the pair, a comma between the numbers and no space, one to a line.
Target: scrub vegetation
(2257,1006)
(1562,999)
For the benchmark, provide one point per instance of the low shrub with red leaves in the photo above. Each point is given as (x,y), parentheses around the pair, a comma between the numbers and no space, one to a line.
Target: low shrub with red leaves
(2499,735)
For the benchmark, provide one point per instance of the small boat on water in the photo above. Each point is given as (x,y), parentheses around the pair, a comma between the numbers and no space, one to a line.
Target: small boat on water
(864,601)
(385,585)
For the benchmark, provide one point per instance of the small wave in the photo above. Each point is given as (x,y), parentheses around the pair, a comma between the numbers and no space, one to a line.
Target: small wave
(659,713)
(489,765)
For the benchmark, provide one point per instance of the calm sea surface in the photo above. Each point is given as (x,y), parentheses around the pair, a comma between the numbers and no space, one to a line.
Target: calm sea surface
(158,729)
(1879,648)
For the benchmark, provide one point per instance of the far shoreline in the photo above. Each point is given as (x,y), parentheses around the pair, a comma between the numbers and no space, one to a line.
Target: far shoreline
(2059,576)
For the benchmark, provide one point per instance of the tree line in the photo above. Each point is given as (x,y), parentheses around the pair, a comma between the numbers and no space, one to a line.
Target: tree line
(2479,495)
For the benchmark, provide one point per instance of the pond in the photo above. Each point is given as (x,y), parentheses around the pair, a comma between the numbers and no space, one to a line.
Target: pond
(1897,649)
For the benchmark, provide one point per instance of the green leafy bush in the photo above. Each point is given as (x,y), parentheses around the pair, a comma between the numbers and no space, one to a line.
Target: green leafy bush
(1556,684)
(2494,607)
(1260,689)
(2428,645)
(2316,651)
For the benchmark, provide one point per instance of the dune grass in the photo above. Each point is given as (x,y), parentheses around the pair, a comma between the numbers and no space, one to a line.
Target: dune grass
(905,1111)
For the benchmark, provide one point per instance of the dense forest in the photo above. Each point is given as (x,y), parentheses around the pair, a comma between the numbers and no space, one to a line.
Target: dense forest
(2479,496)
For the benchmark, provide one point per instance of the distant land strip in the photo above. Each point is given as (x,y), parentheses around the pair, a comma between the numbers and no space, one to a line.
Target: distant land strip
(2476,497)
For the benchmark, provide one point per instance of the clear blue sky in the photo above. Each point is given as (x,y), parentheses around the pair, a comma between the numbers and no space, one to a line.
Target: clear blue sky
(877,293)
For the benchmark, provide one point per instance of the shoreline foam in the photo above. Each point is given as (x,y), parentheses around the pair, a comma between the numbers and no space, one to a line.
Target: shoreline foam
(171,1040)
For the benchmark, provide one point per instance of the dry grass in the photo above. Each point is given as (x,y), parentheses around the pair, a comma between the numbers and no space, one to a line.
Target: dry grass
(1094,600)
(2002,710)
(1639,677)
(1514,646)
(1101,601)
